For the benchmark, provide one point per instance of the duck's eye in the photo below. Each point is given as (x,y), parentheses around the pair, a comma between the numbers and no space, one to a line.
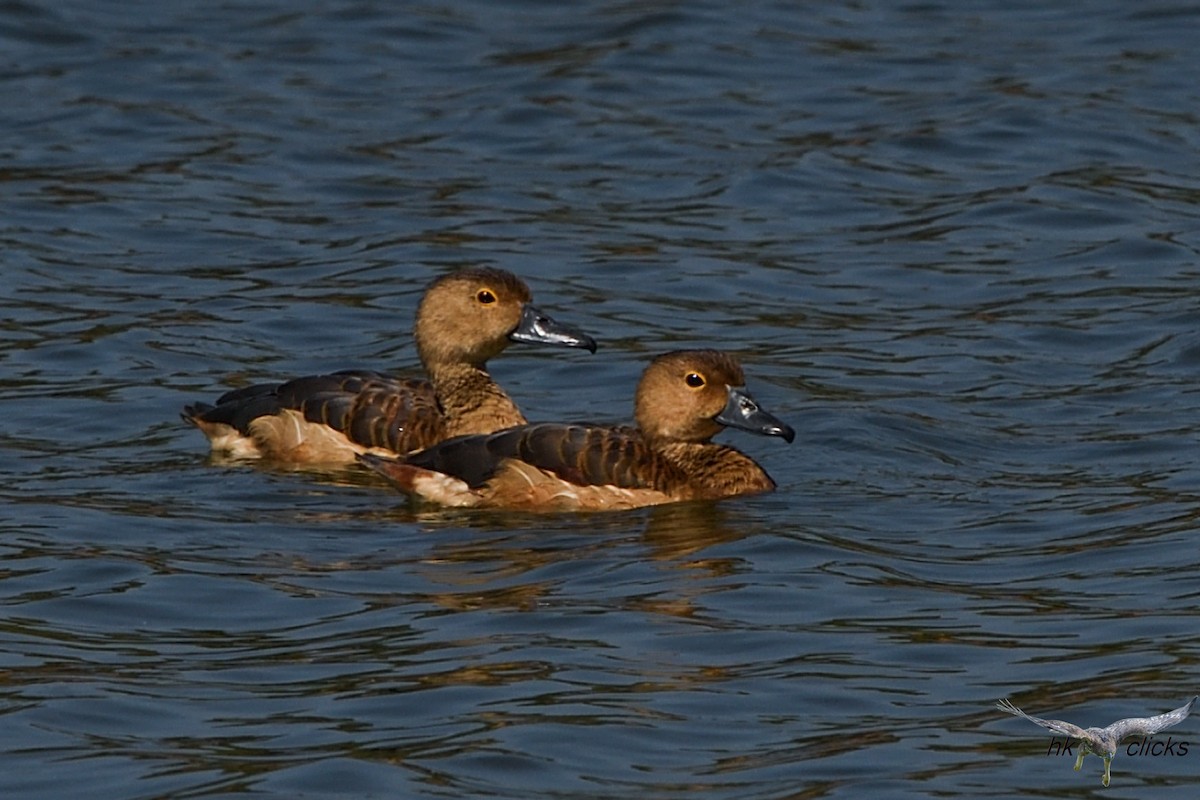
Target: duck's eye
(485,296)
(694,380)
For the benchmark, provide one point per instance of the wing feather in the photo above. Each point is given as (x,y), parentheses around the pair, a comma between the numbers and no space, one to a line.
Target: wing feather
(1056,725)
(369,408)
(586,455)
(1148,726)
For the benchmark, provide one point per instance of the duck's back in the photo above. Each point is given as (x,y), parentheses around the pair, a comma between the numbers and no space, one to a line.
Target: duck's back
(587,455)
(327,417)
(547,466)
(371,409)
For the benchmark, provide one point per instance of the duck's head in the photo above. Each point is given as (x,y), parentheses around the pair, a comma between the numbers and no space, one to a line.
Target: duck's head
(691,395)
(471,315)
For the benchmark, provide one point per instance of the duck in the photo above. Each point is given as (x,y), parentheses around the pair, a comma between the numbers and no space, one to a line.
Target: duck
(683,400)
(464,319)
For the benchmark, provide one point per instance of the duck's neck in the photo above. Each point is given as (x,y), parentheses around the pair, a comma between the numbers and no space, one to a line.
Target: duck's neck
(715,470)
(471,401)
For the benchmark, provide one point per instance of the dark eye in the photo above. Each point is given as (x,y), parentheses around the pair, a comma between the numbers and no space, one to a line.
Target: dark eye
(694,380)
(485,296)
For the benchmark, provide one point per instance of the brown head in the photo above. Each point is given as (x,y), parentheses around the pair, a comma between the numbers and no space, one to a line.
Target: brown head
(471,315)
(691,395)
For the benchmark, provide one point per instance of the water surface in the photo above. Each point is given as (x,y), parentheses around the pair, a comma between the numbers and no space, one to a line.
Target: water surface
(955,248)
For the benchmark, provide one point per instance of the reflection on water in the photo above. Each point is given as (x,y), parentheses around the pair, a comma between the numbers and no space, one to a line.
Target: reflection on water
(957,251)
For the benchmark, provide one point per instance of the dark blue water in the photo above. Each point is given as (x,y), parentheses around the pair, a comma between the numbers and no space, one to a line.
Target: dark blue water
(955,246)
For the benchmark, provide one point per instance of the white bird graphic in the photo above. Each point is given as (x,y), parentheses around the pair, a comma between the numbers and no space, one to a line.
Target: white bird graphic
(1103,741)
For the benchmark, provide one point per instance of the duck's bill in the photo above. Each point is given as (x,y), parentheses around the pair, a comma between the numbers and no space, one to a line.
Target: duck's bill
(741,411)
(538,328)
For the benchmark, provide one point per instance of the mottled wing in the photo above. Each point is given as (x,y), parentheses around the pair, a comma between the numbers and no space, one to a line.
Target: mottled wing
(1056,725)
(1148,726)
(369,408)
(236,408)
(586,455)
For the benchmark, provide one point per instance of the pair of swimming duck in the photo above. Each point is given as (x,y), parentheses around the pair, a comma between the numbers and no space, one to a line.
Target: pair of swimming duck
(458,439)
